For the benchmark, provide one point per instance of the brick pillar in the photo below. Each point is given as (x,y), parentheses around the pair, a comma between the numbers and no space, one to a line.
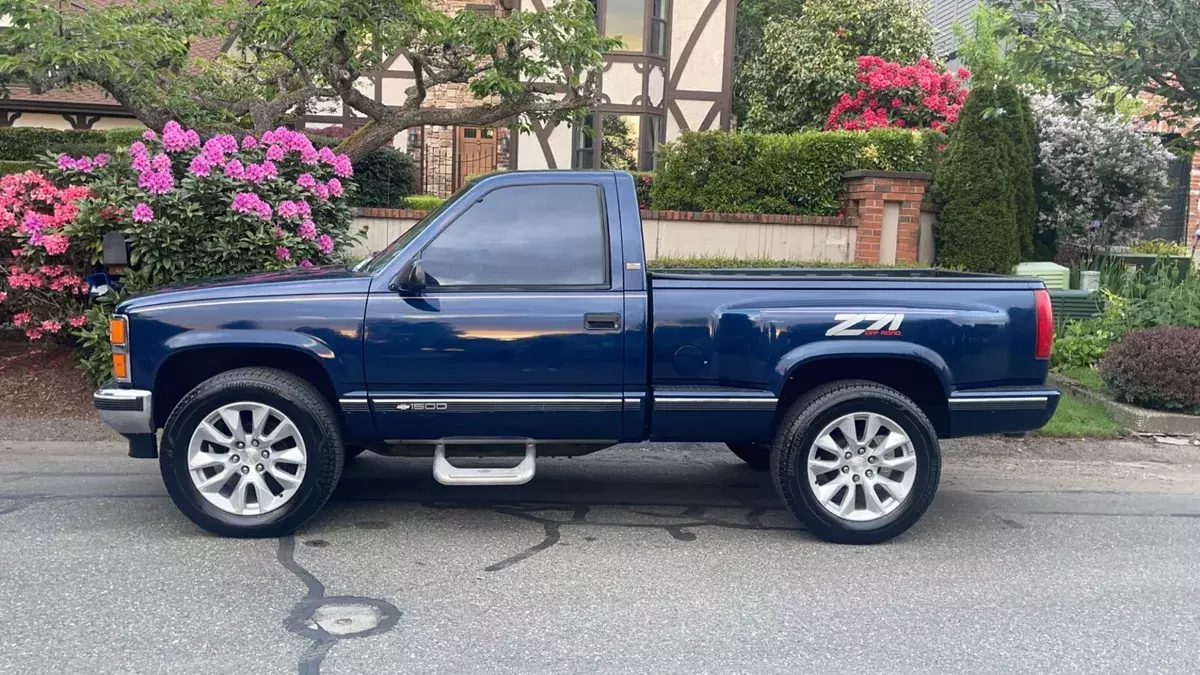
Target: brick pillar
(887,205)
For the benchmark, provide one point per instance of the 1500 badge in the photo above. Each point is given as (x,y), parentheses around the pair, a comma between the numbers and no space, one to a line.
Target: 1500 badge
(881,324)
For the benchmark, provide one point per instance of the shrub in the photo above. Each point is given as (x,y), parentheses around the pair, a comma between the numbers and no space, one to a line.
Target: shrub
(191,211)
(778,173)
(41,285)
(643,182)
(889,94)
(1159,247)
(384,178)
(1081,344)
(806,63)
(977,226)
(1094,166)
(423,202)
(1155,368)
(15,166)
(1022,133)
(29,144)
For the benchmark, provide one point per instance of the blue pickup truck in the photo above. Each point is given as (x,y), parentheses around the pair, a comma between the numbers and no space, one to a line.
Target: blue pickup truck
(519,320)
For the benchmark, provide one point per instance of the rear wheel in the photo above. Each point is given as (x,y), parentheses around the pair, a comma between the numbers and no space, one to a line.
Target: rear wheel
(856,462)
(756,455)
(252,452)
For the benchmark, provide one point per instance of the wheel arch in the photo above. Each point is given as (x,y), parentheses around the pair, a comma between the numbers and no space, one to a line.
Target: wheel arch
(184,368)
(915,371)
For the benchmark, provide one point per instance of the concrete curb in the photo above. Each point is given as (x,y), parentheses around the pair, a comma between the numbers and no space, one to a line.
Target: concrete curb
(1140,420)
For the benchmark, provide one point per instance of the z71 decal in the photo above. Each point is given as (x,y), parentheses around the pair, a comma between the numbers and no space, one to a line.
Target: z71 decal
(847,327)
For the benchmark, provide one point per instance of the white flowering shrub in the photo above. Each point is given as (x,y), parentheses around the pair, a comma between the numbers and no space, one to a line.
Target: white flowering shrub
(1095,166)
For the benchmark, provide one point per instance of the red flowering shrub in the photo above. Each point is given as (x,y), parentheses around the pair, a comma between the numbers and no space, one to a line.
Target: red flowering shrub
(39,284)
(893,95)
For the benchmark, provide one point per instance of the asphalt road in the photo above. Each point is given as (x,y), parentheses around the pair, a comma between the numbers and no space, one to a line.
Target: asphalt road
(1036,557)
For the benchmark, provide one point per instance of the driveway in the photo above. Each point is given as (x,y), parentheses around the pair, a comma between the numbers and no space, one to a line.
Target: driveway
(1037,556)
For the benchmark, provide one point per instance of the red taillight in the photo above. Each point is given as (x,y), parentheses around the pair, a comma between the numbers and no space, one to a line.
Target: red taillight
(1045,323)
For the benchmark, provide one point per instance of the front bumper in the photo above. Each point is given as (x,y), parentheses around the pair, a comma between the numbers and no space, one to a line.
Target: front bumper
(127,411)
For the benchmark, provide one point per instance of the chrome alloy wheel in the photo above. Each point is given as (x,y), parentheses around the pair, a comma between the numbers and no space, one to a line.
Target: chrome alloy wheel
(862,466)
(247,458)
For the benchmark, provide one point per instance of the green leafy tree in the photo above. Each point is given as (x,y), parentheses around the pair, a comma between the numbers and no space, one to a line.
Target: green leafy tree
(977,226)
(806,63)
(1014,113)
(753,16)
(297,55)
(1115,49)
(982,48)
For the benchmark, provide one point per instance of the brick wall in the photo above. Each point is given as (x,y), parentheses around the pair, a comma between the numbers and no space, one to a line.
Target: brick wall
(887,205)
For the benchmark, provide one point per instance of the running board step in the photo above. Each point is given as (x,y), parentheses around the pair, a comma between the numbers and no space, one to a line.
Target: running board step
(448,474)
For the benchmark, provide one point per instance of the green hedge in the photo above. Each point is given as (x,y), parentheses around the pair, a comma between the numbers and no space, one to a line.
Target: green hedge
(384,178)
(9,166)
(423,202)
(28,144)
(797,173)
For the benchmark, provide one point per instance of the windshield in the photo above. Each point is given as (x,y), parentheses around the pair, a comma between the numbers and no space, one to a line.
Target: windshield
(380,260)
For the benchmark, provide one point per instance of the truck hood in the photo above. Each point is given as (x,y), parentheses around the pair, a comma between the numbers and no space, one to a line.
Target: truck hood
(331,280)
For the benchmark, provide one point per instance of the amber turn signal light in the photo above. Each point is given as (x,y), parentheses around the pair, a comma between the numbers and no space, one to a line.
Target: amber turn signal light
(116,330)
(120,366)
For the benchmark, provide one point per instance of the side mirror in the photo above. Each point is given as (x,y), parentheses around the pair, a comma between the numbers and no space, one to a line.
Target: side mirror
(411,278)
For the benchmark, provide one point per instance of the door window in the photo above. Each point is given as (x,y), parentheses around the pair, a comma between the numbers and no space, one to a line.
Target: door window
(527,235)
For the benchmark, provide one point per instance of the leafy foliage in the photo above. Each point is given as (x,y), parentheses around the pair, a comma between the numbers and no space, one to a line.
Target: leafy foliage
(19,166)
(297,54)
(806,63)
(1159,247)
(1115,49)
(643,182)
(1096,166)
(779,173)
(1081,344)
(41,286)
(1014,112)
(423,202)
(752,18)
(384,178)
(1155,368)
(977,226)
(895,95)
(28,144)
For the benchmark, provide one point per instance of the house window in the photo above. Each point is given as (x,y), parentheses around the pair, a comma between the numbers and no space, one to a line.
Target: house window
(658,27)
(626,19)
(650,140)
(583,155)
(619,142)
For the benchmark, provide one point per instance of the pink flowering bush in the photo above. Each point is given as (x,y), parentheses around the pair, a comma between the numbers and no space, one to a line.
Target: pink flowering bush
(919,96)
(193,208)
(41,289)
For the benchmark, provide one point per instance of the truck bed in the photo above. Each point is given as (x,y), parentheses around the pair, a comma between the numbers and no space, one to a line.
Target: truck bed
(828,278)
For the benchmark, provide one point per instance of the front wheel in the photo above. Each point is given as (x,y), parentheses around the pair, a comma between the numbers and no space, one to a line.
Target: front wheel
(252,452)
(856,462)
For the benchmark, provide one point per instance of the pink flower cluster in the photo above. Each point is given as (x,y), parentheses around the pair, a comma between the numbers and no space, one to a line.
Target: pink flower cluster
(154,175)
(292,210)
(248,202)
(83,164)
(920,95)
(323,191)
(177,139)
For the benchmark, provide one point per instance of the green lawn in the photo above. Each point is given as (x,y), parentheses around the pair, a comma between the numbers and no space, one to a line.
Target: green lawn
(1078,419)
(1088,377)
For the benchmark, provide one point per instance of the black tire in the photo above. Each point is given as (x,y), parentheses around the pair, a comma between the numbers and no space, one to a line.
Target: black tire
(301,402)
(756,455)
(808,416)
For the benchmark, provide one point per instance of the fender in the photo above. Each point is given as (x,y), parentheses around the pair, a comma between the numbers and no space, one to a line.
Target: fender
(273,339)
(841,349)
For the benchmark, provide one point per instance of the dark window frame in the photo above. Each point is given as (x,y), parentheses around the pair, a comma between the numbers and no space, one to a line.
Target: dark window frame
(604,285)
(653,21)
(647,147)
(577,135)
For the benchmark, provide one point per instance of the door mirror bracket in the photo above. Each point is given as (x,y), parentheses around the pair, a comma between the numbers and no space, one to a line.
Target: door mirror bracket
(411,278)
